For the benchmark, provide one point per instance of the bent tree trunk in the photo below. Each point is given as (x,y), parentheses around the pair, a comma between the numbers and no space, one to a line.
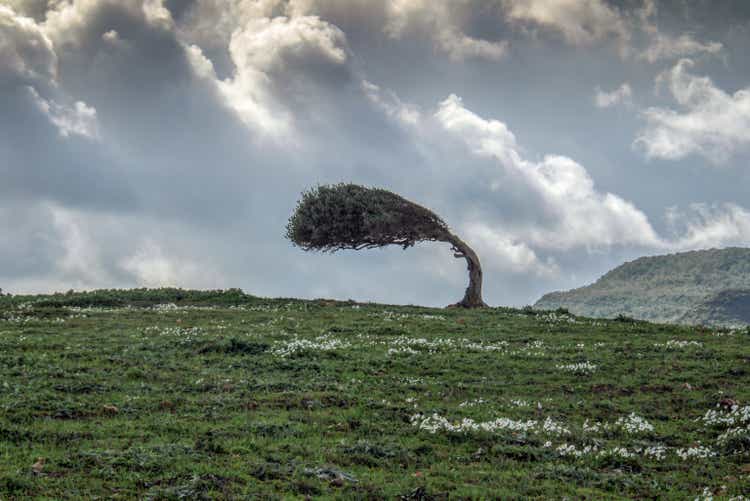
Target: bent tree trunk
(473,296)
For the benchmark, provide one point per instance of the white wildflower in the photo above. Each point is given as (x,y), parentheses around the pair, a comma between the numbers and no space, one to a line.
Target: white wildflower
(580,368)
(472,403)
(320,343)
(676,344)
(551,427)
(594,428)
(657,452)
(696,452)
(435,423)
(634,424)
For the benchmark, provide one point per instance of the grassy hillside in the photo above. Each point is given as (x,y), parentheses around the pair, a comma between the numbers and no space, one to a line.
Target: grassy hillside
(672,288)
(184,395)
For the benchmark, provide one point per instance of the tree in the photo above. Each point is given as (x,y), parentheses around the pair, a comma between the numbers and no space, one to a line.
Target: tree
(348,216)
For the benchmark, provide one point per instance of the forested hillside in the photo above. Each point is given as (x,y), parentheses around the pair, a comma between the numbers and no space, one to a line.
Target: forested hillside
(710,286)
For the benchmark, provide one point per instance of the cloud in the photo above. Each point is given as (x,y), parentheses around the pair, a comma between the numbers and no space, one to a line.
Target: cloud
(663,47)
(156,13)
(273,65)
(390,103)
(568,213)
(27,55)
(80,260)
(47,136)
(709,225)
(78,119)
(268,54)
(28,61)
(35,9)
(572,212)
(586,22)
(60,248)
(211,23)
(469,29)
(507,255)
(152,267)
(621,95)
(711,123)
(444,22)
(580,22)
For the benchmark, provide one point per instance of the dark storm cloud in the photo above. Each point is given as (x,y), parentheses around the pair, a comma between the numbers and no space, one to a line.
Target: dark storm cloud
(152,143)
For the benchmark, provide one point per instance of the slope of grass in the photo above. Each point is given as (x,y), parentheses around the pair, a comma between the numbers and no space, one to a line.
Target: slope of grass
(290,399)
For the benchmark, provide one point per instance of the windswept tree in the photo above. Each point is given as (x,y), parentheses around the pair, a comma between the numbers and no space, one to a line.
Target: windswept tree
(347,216)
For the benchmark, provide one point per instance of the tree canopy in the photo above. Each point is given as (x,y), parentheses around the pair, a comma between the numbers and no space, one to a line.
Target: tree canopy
(348,216)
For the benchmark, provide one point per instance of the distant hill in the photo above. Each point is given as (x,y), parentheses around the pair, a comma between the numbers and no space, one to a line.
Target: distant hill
(709,287)
(729,307)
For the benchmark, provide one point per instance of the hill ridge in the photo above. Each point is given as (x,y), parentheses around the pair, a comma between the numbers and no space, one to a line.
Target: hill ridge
(682,287)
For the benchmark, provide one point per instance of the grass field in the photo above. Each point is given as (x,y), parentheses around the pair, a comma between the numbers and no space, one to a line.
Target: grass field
(184,395)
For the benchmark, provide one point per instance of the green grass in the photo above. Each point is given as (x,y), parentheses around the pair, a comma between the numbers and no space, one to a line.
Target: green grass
(213,399)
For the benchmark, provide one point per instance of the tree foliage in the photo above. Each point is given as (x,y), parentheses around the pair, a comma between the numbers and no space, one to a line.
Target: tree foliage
(348,216)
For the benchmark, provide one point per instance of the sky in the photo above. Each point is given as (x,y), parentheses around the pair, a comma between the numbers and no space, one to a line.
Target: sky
(148,143)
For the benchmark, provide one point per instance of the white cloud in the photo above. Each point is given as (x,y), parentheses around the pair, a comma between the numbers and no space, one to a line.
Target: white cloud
(460,46)
(663,47)
(448,24)
(26,53)
(486,137)
(576,214)
(443,22)
(390,103)
(28,61)
(267,44)
(211,23)
(621,95)
(66,23)
(79,119)
(157,14)
(112,37)
(711,122)
(91,250)
(201,65)
(705,226)
(505,254)
(34,9)
(152,267)
(80,262)
(568,212)
(267,53)
(585,22)
(581,22)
